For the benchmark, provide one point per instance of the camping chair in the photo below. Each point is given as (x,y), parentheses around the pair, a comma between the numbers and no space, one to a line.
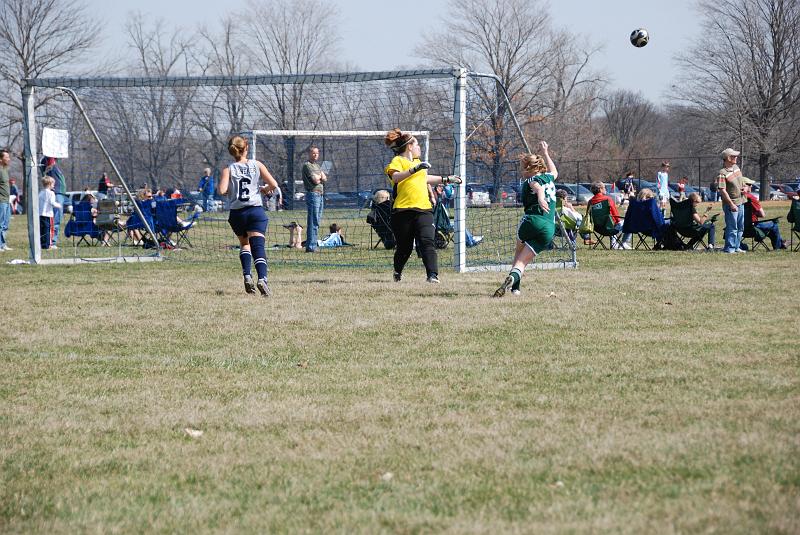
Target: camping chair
(603,224)
(684,224)
(81,225)
(756,236)
(794,219)
(644,218)
(444,228)
(166,222)
(134,222)
(380,219)
(569,225)
(107,220)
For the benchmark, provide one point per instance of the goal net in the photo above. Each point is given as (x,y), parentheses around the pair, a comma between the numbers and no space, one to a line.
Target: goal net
(159,134)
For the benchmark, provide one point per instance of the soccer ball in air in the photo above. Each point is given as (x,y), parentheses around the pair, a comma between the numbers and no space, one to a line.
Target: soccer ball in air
(639,37)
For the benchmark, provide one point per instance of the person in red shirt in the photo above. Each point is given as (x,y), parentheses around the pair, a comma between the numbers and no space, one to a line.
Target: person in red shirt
(599,190)
(770,228)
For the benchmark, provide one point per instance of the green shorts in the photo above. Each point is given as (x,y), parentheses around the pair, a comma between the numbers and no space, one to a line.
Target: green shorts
(536,233)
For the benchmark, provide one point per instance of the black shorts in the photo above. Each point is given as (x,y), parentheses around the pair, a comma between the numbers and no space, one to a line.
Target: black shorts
(249,219)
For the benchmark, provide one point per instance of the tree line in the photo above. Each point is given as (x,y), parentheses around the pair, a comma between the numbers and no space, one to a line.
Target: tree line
(739,85)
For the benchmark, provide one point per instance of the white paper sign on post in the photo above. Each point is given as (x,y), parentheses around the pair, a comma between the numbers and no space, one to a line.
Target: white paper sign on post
(55,143)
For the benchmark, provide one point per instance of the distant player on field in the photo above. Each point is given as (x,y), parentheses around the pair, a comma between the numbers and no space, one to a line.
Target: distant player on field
(537,227)
(248,218)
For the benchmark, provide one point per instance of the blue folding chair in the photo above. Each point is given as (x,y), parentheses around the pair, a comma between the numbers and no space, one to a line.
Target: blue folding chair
(81,225)
(644,218)
(167,223)
(135,222)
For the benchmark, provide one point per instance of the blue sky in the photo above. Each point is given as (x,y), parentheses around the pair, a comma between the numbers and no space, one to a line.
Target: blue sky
(363,27)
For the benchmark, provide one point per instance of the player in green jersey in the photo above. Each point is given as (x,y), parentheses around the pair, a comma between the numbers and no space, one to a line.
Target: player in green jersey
(536,229)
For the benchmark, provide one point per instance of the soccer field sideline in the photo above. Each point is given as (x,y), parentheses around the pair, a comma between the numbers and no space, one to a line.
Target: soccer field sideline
(614,397)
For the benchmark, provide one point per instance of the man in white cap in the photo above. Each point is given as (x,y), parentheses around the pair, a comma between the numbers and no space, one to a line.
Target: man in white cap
(729,185)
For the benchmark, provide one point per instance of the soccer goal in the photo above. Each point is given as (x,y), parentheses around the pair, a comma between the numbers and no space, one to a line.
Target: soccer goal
(159,134)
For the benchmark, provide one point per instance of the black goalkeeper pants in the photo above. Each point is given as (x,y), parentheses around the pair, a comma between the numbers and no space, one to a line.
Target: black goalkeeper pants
(410,225)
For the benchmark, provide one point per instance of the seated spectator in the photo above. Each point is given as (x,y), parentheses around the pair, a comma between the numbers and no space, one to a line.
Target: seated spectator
(443,194)
(295,235)
(599,190)
(574,217)
(769,228)
(645,194)
(703,220)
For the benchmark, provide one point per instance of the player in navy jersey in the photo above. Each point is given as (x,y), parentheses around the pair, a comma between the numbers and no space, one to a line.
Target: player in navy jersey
(248,218)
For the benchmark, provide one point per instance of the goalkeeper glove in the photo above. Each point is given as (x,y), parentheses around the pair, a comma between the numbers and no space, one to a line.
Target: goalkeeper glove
(419,167)
(451,179)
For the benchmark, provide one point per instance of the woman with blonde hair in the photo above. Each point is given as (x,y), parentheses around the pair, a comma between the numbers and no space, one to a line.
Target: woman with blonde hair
(247,217)
(537,226)
(412,211)
(644,194)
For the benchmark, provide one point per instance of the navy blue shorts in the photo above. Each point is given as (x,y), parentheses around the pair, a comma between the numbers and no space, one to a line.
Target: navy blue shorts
(249,219)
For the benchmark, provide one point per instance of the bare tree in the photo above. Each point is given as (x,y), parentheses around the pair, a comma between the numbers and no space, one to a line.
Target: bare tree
(630,121)
(162,113)
(39,38)
(743,77)
(291,37)
(507,38)
(549,80)
(223,113)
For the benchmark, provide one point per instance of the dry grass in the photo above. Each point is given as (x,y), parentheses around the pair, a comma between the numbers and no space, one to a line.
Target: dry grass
(655,392)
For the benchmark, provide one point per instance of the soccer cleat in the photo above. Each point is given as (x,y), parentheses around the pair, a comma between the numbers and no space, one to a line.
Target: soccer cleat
(249,285)
(434,279)
(516,292)
(263,288)
(501,291)
(397,276)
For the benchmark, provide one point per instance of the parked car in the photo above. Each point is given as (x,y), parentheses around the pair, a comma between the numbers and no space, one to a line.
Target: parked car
(73,198)
(673,190)
(614,194)
(342,199)
(576,193)
(790,190)
(508,195)
(196,197)
(774,193)
(478,195)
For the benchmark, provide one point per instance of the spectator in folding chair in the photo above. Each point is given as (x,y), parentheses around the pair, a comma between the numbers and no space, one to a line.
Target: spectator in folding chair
(794,218)
(686,226)
(81,224)
(380,219)
(570,217)
(134,226)
(703,221)
(168,223)
(753,212)
(107,220)
(607,221)
(645,219)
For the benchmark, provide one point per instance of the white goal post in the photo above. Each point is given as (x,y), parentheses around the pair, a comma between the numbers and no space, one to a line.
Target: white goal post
(145,142)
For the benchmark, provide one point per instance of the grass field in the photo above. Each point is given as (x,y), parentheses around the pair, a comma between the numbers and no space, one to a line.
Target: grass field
(645,392)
